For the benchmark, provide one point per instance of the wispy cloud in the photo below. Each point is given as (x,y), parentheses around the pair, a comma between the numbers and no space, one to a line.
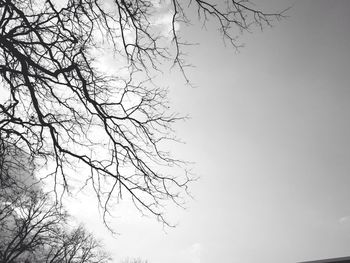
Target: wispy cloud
(192,254)
(164,22)
(195,253)
(344,219)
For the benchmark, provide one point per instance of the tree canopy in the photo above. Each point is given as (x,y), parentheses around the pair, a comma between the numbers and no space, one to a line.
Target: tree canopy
(65,111)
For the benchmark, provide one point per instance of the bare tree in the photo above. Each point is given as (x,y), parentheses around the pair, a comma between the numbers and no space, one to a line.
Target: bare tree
(76,246)
(64,110)
(26,225)
(32,227)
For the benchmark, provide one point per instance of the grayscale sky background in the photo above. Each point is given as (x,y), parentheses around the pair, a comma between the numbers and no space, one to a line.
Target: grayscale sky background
(270,137)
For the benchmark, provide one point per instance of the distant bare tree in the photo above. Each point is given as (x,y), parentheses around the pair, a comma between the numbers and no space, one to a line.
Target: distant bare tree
(32,227)
(61,108)
(73,247)
(26,225)
(16,166)
(31,230)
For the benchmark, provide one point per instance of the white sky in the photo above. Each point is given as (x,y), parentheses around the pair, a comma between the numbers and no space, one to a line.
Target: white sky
(269,134)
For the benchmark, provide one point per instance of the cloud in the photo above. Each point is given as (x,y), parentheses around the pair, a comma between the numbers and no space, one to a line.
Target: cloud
(195,252)
(192,254)
(160,3)
(344,220)
(60,3)
(164,22)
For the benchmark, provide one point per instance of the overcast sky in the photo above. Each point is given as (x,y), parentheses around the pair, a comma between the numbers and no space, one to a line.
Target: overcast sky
(269,135)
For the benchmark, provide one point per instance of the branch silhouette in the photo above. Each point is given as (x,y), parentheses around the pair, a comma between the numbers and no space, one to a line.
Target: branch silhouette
(67,112)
